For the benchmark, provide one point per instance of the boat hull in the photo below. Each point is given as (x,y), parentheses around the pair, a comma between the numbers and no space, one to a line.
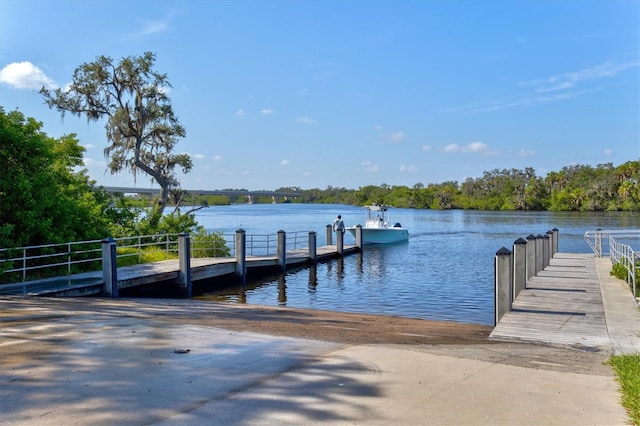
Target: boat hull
(381,235)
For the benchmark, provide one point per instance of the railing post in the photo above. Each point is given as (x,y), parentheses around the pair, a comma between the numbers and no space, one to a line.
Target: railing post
(313,247)
(519,266)
(329,235)
(241,255)
(598,243)
(340,242)
(531,256)
(556,235)
(546,251)
(110,267)
(539,254)
(184,263)
(503,287)
(359,236)
(282,250)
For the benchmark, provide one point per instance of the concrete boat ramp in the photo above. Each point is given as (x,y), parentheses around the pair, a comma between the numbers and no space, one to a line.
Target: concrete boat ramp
(130,362)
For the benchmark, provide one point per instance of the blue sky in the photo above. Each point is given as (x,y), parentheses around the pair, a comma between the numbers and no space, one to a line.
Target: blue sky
(349,93)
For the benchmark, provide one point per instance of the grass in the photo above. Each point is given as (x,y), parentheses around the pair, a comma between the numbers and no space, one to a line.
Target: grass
(130,256)
(627,368)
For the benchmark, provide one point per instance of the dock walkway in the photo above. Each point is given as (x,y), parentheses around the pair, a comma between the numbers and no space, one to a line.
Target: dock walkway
(92,283)
(574,302)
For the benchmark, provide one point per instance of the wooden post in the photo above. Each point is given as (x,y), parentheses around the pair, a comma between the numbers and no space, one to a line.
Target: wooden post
(184,263)
(539,257)
(531,256)
(110,267)
(503,279)
(340,242)
(519,266)
(282,250)
(546,253)
(329,235)
(598,243)
(313,247)
(551,253)
(556,235)
(241,255)
(359,236)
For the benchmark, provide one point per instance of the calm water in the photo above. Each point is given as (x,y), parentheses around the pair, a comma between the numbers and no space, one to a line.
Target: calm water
(444,272)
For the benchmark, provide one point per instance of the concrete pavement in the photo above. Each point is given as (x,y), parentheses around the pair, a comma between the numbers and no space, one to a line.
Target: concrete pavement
(60,367)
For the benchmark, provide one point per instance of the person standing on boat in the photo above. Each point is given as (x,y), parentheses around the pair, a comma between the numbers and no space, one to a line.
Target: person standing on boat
(338,224)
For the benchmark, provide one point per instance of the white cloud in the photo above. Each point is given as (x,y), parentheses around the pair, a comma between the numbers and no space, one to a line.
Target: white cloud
(526,153)
(370,167)
(266,111)
(476,147)
(153,27)
(239,113)
(555,88)
(408,169)
(608,152)
(25,75)
(396,137)
(198,156)
(452,147)
(284,162)
(426,148)
(89,146)
(217,157)
(470,148)
(305,120)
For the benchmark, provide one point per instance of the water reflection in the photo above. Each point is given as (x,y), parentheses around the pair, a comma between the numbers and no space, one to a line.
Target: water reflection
(282,290)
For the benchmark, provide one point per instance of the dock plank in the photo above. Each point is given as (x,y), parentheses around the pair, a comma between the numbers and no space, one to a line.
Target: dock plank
(562,305)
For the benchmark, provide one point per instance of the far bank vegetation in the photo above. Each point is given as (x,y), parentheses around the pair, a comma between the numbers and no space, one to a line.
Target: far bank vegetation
(604,187)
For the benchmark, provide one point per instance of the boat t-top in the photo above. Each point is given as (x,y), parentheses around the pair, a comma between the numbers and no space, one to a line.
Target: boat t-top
(377,228)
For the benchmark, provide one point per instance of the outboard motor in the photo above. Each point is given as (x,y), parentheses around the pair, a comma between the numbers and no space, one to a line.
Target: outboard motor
(397,225)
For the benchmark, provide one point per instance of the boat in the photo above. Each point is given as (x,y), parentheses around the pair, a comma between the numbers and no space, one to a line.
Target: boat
(377,228)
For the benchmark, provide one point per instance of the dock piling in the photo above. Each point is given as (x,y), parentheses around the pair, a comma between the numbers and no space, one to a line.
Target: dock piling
(519,266)
(184,263)
(282,250)
(313,247)
(110,267)
(241,255)
(503,282)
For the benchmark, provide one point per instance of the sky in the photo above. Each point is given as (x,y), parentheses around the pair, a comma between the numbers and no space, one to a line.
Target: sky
(348,93)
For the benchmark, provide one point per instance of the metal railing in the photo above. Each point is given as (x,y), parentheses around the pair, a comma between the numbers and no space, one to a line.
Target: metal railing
(297,240)
(598,240)
(74,257)
(615,244)
(59,258)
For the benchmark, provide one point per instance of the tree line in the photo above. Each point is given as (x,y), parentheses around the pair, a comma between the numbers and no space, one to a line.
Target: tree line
(604,187)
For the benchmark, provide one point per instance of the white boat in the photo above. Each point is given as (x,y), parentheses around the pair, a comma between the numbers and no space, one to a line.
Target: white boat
(377,228)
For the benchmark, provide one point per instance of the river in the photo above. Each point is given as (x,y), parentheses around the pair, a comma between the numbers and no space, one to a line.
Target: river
(444,272)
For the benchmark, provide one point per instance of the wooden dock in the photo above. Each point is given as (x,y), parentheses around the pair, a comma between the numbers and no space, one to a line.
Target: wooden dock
(92,283)
(562,305)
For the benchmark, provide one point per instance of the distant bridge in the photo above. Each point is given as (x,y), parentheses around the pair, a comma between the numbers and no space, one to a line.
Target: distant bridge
(275,195)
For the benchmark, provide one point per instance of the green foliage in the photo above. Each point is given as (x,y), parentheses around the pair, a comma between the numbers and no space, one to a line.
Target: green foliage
(619,270)
(627,368)
(574,188)
(129,256)
(208,244)
(43,200)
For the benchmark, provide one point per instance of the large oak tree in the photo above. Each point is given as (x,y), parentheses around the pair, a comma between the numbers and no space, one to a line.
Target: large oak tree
(141,127)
